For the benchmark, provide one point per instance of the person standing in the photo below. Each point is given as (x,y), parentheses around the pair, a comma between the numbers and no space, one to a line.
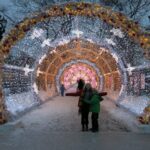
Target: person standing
(62,89)
(84,106)
(81,84)
(95,109)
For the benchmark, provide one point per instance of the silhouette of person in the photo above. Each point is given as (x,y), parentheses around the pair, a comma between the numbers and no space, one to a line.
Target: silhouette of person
(81,84)
(84,106)
(62,89)
(95,109)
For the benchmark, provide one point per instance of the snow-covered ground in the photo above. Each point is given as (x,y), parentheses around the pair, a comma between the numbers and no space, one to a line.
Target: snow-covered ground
(135,104)
(61,114)
(17,103)
(56,125)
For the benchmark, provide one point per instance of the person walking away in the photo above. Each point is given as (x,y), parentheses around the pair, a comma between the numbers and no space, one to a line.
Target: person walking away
(62,89)
(84,107)
(95,109)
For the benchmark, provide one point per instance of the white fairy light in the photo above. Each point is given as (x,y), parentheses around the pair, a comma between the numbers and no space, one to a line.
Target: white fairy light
(90,40)
(117,32)
(135,104)
(64,41)
(53,51)
(35,88)
(130,69)
(38,72)
(27,70)
(110,41)
(103,50)
(77,32)
(36,33)
(122,88)
(46,43)
(42,58)
(115,57)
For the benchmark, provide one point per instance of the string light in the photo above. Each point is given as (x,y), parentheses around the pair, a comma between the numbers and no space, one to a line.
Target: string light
(86,9)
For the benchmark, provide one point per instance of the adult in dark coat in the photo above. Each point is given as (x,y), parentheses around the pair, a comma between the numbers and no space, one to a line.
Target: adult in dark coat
(84,106)
(81,84)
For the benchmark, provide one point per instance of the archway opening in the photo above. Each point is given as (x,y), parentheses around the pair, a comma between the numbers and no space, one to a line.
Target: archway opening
(107,72)
(78,71)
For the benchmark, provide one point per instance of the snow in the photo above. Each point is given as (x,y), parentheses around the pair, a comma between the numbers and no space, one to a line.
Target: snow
(61,114)
(56,125)
(48,94)
(135,104)
(20,102)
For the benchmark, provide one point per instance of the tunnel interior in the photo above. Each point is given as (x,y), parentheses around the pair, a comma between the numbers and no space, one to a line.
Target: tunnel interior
(79,71)
(64,44)
(80,62)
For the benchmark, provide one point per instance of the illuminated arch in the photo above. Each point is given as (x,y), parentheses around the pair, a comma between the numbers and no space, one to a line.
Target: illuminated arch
(115,19)
(101,57)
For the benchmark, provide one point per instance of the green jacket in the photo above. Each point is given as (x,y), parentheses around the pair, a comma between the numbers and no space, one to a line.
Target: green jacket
(94,103)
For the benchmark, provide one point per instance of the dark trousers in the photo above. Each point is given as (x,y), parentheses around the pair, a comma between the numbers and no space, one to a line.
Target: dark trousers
(62,93)
(84,118)
(95,125)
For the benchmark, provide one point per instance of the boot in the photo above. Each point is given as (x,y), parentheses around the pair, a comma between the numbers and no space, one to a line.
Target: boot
(83,128)
(86,128)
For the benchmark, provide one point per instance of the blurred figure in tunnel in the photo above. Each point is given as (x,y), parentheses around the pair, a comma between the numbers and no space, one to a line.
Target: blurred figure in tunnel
(62,89)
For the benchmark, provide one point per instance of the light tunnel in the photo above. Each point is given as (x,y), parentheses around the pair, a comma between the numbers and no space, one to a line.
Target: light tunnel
(85,60)
(39,53)
(78,71)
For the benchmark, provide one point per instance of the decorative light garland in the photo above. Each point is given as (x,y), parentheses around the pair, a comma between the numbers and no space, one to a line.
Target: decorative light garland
(116,19)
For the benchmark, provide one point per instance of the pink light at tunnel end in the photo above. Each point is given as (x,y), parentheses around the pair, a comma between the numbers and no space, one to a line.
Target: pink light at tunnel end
(79,71)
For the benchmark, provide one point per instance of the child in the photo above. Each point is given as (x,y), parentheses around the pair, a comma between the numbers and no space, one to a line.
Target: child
(95,109)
